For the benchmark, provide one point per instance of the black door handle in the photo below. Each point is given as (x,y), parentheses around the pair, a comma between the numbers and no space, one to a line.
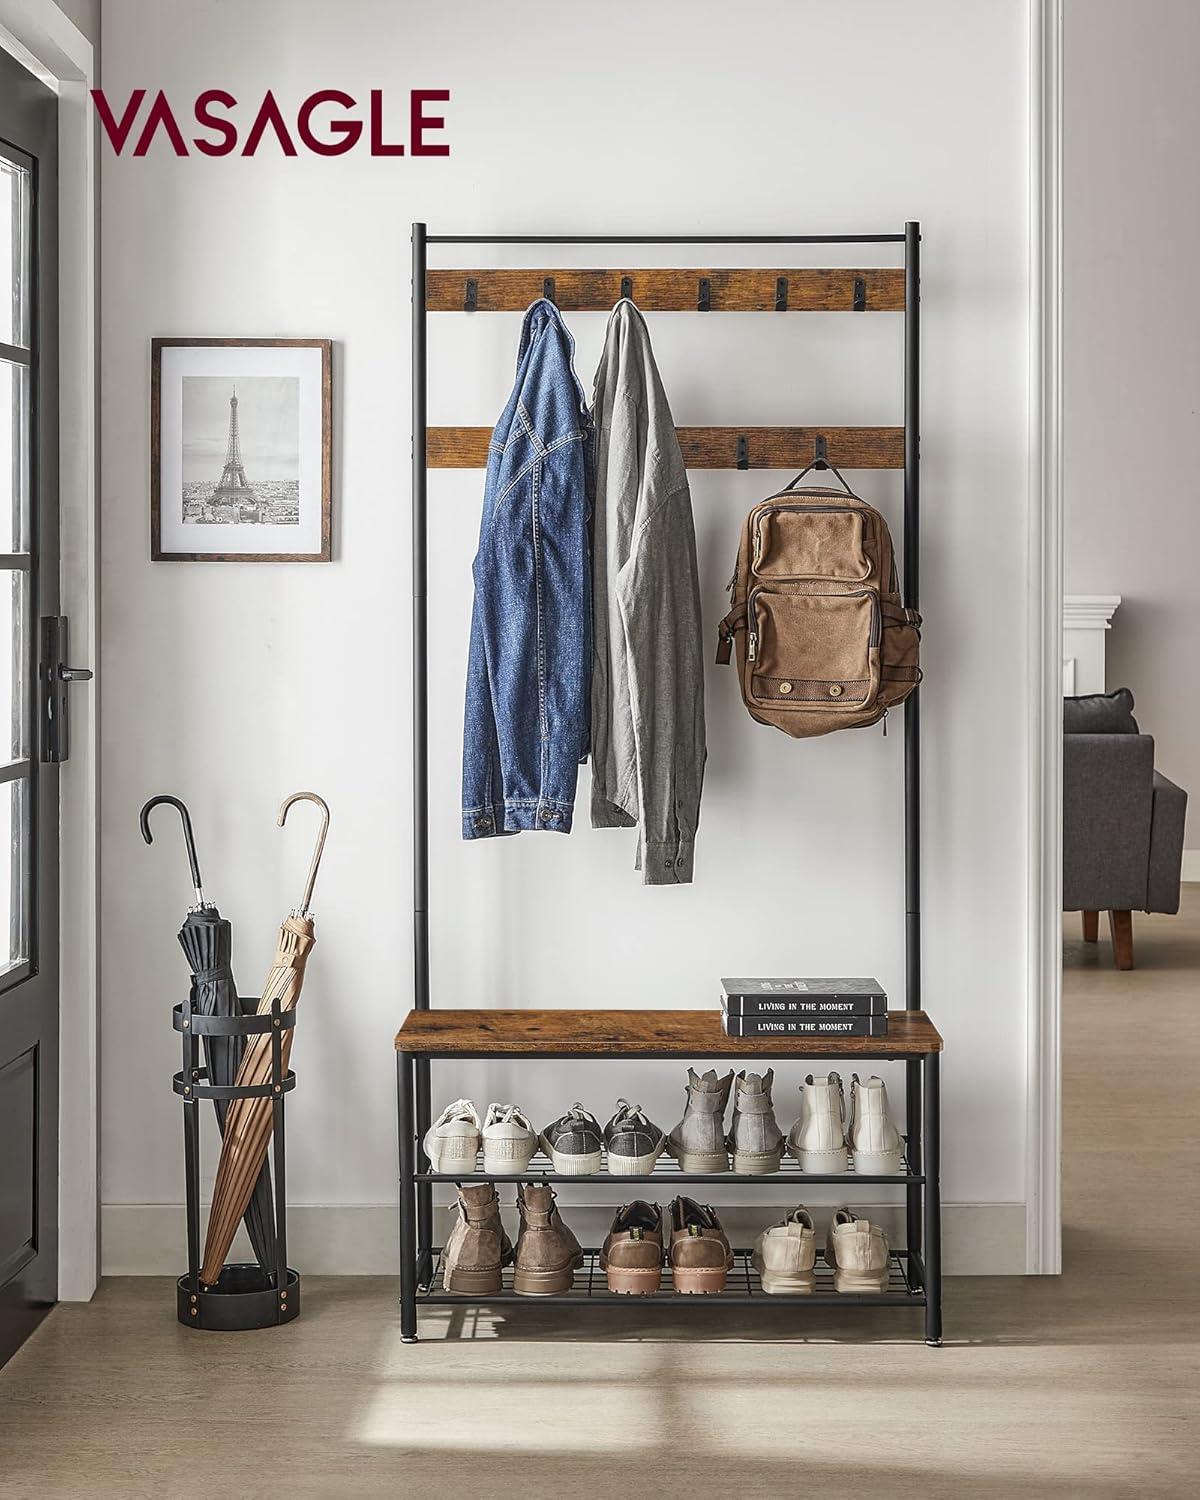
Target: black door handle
(54,743)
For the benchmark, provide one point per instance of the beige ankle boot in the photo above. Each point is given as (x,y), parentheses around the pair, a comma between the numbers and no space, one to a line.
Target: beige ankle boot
(785,1254)
(755,1139)
(857,1253)
(698,1142)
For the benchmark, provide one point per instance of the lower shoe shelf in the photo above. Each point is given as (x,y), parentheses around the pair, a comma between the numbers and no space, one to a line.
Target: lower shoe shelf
(904,1288)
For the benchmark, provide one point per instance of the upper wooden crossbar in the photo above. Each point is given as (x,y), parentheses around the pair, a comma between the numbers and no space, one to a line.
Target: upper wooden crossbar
(714,447)
(717,290)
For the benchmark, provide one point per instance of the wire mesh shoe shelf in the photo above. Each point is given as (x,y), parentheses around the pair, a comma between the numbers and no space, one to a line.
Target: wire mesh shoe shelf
(743,1285)
(695,1037)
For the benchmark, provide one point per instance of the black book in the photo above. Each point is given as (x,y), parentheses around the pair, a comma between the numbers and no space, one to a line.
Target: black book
(831,1026)
(803,997)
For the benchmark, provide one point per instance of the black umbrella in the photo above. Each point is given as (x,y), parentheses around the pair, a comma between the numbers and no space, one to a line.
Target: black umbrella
(207,943)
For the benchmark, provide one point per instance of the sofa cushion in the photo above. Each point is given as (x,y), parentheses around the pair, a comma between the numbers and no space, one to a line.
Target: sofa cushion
(1100,713)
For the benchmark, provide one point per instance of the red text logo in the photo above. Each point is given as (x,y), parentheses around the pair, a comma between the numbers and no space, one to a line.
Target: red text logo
(327,123)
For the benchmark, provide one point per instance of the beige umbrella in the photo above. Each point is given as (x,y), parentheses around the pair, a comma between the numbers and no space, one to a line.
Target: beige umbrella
(248,1123)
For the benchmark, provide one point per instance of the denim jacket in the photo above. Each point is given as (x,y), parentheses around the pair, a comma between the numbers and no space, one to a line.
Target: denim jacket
(526,725)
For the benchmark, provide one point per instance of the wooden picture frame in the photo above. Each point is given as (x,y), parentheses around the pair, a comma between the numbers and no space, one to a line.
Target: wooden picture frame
(204,508)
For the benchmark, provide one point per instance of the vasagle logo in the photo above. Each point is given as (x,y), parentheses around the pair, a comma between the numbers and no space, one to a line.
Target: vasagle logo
(326,124)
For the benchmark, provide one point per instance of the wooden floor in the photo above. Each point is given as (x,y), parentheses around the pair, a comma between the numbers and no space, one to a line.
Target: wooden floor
(1084,1386)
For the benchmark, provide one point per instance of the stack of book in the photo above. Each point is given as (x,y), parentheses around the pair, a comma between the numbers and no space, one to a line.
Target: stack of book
(803,1007)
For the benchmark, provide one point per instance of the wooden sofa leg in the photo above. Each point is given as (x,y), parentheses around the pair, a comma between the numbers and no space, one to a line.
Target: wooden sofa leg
(1091,926)
(1121,926)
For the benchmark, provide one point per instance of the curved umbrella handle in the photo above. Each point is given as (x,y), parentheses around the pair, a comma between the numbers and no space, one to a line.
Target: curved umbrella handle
(319,850)
(188,836)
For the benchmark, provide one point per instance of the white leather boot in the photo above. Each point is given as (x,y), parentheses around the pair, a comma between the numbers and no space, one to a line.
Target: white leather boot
(874,1139)
(818,1138)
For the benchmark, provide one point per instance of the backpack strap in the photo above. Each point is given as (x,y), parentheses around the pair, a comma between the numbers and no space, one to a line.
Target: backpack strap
(734,620)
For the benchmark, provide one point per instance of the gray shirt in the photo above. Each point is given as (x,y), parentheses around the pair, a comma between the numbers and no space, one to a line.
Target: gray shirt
(648,747)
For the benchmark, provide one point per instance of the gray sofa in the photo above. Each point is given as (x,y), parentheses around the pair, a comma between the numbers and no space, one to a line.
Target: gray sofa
(1122,820)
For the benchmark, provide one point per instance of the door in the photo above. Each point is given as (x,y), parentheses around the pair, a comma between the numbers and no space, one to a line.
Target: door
(28,785)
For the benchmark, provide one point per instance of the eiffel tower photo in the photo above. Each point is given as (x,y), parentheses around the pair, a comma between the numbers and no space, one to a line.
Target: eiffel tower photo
(233,492)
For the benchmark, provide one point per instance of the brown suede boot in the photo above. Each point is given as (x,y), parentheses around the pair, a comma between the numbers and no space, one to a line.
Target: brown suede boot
(700,1255)
(477,1246)
(547,1251)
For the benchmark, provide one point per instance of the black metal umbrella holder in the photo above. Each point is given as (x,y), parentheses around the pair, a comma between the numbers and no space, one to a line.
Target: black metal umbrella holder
(245,1296)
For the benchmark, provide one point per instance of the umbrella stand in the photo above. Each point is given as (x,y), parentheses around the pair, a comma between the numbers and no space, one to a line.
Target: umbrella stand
(244,1296)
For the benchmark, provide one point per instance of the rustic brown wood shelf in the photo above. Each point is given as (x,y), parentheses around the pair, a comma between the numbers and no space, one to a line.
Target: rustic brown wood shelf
(730,289)
(714,447)
(691,1034)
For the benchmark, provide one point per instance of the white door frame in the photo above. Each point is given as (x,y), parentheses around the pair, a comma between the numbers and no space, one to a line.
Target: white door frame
(41,38)
(1043,1174)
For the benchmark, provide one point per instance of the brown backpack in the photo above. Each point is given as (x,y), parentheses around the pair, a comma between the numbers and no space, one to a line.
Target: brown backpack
(823,641)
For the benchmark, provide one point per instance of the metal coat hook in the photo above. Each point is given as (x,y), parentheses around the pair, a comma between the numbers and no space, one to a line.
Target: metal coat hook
(471,296)
(704,298)
(860,294)
(743,451)
(188,837)
(548,289)
(820,454)
(781,293)
(318,851)
(627,287)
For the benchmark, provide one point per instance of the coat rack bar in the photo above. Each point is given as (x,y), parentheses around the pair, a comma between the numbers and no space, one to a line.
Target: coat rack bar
(715,447)
(876,289)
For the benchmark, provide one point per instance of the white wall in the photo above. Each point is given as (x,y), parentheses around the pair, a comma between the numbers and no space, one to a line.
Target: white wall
(234,685)
(1131,328)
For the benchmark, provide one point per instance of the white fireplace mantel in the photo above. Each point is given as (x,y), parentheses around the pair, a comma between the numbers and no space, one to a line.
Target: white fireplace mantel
(1086,618)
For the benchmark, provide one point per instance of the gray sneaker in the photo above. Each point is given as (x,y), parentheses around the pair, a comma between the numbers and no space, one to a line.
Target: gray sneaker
(698,1141)
(755,1138)
(572,1142)
(634,1143)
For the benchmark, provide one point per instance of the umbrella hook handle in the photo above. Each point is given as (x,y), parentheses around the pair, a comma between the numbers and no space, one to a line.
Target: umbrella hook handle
(188,837)
(319,850)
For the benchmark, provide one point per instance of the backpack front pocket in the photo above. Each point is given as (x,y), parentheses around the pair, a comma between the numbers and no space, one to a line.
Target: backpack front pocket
(797,542)
(808,649)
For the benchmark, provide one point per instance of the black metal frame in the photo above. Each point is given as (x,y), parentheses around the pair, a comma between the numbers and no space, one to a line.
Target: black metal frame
(920,1268)
(245,1296)
(923,1207)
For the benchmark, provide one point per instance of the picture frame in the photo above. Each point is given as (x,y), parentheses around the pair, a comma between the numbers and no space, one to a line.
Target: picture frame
(241,451)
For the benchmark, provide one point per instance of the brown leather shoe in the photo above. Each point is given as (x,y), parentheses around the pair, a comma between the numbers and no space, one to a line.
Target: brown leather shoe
(700,1255)
(633,1250)
(477,1245)
(547,1251)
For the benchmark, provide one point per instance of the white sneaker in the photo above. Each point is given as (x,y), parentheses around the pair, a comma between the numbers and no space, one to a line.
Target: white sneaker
(452,1141)
(509,1140)
(857,1252)
(785,1254)
(818,1138)
(874,1139)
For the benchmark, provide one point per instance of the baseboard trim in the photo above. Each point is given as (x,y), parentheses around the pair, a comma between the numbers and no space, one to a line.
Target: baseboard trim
(1191,864)
(148,1239)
